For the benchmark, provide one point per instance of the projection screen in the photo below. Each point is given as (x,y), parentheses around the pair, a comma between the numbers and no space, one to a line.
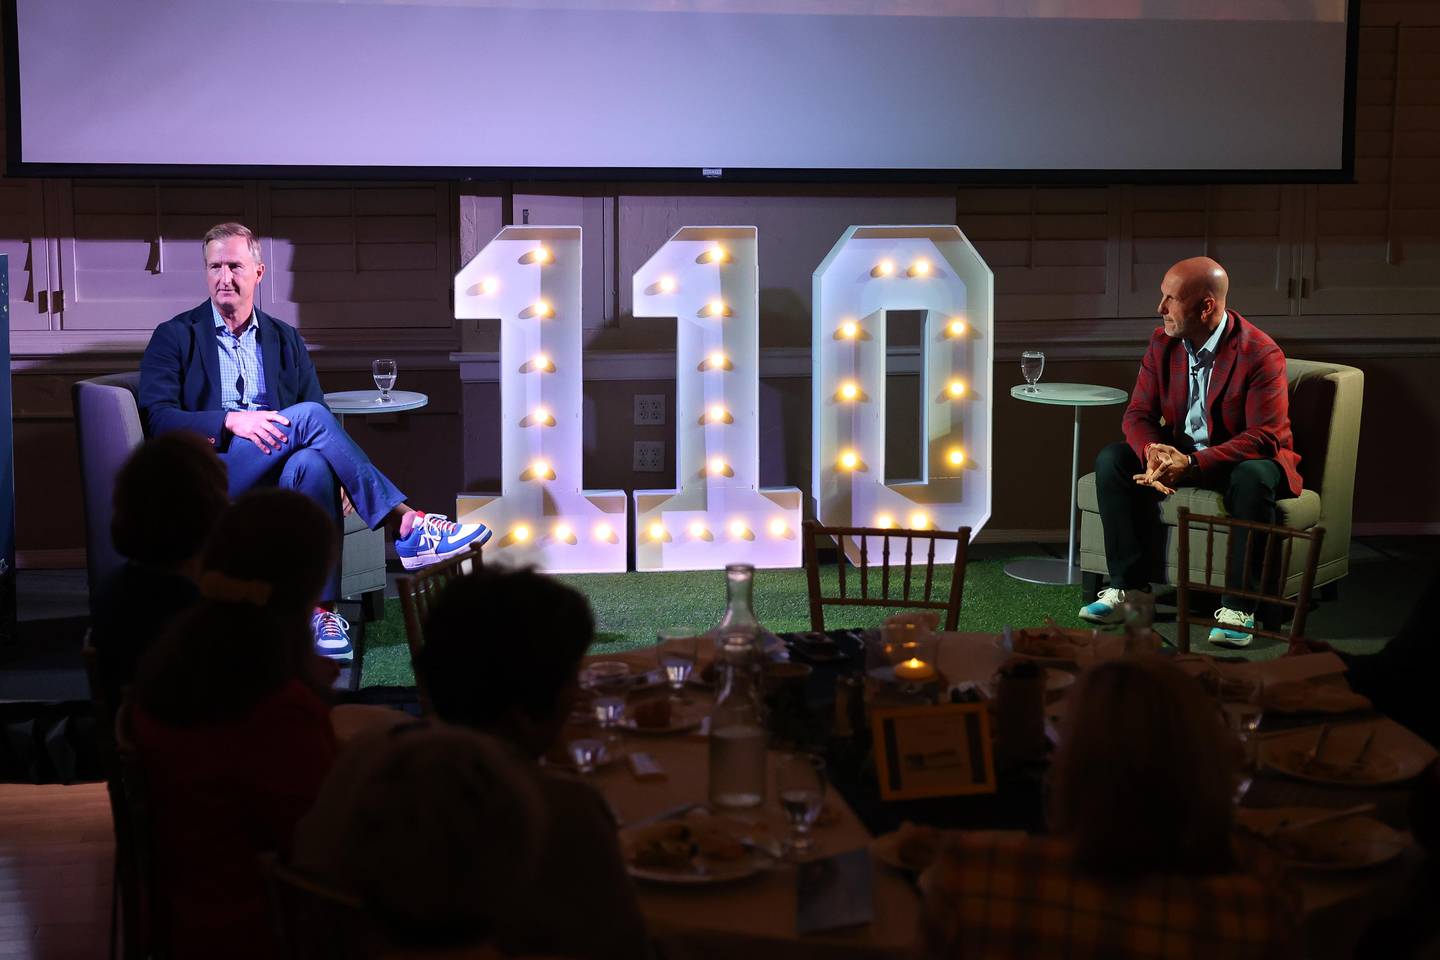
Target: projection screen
(717,88)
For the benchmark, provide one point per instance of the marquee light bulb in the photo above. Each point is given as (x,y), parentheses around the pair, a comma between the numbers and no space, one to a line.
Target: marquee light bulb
(603,531)
(885,268)
(849,460)
(541,415)
(778,527)
(717,414)
(520,533)
(884,521)
(717,360)
(667,284)
(849,390)
(540,469)
(738,528)
(489,285)
(956,456)
(717,254)
(715,308)
(956,327)
(920,268)
(849,329)
(562,531)
(541,255)
(542,308)
(717,466)
(919,520)
(542,362)
(697,529)
(956,389)
(657,531)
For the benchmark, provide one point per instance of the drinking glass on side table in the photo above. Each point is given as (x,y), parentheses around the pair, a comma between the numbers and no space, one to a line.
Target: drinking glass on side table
(1032,365)
(677,649)
(800,782)
(385,373)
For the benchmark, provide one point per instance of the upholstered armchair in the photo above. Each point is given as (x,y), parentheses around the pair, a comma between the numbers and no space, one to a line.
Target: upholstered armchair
(1325,417)
(107,424)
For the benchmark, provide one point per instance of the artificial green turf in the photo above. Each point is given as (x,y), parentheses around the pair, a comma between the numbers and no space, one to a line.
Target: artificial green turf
(630,607)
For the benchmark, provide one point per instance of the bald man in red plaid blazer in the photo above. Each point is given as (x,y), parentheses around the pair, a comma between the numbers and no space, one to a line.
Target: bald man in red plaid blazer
(1211,408)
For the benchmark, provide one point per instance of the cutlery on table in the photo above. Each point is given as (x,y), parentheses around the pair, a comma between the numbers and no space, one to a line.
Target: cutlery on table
(1285,826)
(1364,749)
(1314,753)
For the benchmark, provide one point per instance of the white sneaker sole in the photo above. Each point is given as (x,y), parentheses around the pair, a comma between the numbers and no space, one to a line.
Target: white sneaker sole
(1231,643)
(1115,616)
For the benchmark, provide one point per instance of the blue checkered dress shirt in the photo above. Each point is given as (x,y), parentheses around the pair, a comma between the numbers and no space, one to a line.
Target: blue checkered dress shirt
(242,373)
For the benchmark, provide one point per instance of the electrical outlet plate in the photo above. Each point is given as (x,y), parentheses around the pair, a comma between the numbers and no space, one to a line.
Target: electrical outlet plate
(650,409)
(649,456)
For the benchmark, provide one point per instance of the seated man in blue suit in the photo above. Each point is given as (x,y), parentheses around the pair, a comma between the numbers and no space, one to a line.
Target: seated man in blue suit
(244,381)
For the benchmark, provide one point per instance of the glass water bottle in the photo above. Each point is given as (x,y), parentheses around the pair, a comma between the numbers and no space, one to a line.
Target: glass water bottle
(737,723)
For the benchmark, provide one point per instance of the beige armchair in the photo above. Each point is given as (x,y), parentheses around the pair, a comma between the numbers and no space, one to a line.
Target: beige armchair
(1325,416)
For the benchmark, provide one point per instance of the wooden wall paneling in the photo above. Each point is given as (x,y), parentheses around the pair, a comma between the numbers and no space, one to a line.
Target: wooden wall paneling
(129,251)
(24,238)
(345,256)
(1374,246)
(592,208)
(1250,229)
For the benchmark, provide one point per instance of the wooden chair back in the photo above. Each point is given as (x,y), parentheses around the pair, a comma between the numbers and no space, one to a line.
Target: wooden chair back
(1276,553)
(943,594)
(313,921)
(418,593)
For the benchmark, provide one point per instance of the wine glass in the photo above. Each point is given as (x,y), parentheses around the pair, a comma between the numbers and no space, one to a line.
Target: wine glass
(1243,700)
(677,650)
(1032,364)
(384,372)
(800,781)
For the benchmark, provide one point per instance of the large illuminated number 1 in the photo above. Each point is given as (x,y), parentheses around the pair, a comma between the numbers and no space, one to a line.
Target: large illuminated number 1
(708,279)
(529,278)
(871,270)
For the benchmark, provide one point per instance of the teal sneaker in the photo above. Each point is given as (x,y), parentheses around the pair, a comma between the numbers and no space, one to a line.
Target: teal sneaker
(1109,607)
(1229,634)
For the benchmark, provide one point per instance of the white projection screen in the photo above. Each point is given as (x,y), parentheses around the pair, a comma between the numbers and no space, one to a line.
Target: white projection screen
(728,89)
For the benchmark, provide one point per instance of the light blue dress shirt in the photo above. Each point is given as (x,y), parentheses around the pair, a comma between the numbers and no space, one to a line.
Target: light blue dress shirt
(1201,363)
(242,372)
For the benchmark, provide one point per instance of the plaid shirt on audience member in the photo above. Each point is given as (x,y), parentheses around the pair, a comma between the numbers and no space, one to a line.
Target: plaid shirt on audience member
(242,372)
(998,897)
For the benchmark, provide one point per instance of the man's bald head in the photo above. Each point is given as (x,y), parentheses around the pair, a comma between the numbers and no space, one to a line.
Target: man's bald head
(1192,299)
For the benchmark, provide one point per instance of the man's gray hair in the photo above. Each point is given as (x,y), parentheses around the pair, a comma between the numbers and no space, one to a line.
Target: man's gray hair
(224,231)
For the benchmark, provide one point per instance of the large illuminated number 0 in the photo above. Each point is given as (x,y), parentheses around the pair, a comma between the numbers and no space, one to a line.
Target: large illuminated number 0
(869,271)
(708,279)
(529,278)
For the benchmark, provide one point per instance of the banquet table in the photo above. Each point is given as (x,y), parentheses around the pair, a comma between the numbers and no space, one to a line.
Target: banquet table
(758,914)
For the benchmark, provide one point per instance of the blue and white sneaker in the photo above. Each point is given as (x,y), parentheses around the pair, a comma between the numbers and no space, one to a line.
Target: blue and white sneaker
(1109,607)
(332,635)
(433,538)
(1222,636)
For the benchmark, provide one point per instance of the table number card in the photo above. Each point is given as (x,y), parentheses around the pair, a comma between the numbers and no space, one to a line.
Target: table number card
(933,751)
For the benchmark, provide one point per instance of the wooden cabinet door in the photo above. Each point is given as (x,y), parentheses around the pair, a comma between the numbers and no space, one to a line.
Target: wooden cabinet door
(23,237)
(129,251)
(1249,229)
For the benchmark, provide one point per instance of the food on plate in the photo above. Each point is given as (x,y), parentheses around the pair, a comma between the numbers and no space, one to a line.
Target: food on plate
(653,714)
(1051,642)
(680,844)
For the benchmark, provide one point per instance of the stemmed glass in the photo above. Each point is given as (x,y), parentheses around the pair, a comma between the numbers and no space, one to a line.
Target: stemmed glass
(677,650)
(1032,364)
(384,372)
(1243,700)
(800,781)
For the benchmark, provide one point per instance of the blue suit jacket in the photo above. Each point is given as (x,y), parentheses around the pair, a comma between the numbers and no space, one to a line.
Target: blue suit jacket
(180,373)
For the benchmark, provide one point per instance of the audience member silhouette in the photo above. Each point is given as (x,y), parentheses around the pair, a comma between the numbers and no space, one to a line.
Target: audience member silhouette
(232,723)
(177,477)
(438,833)
(1140,853)
(502,652)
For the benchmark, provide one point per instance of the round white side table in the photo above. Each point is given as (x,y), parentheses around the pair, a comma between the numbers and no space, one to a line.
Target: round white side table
(1077,395)
(361,402)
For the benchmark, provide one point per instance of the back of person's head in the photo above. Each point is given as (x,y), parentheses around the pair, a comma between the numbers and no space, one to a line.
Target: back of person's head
(278,538)
(503,642)
(167,498)
(1145,773)
(263,569)
(440,833)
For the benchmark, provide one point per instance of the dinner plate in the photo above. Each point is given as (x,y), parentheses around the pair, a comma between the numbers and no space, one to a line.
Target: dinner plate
(677,725)
(701,870)
(1377,769)
(1353,843)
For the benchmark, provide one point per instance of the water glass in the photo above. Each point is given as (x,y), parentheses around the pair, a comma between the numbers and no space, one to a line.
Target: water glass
(1243,701)
(608,707)
(1032,364)
(586,754)
(677,649)
(384,372)
(800,781)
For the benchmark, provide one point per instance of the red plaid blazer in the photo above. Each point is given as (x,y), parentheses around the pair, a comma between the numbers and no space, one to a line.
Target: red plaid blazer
(1248,402)
(1000,897)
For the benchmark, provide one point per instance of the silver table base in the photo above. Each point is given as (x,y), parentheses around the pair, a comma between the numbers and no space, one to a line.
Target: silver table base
(1046,570)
